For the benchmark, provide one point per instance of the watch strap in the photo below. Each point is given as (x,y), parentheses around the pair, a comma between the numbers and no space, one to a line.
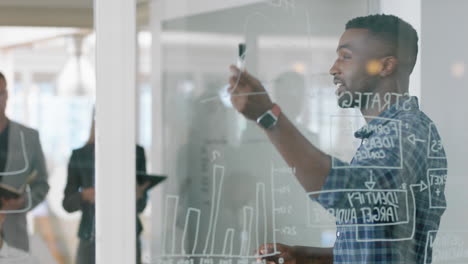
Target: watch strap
(276,110)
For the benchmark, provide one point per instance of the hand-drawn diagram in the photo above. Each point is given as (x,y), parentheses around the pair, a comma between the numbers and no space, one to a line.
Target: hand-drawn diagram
(269,24)
(436,179)
(254,226)
(374,207)
(447,247)
(389,141)
(435,147)
(267,218)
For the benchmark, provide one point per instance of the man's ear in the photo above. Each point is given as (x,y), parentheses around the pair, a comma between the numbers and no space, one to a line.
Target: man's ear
(389,66)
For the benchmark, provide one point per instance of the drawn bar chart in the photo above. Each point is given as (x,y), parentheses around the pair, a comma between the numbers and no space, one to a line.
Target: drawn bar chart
(193,217)
(196,212)
(172,203)
(218,177)
(228,242)
(261,216)
(247,230)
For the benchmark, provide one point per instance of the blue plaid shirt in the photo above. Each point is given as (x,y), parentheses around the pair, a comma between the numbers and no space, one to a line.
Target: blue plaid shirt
(399,173)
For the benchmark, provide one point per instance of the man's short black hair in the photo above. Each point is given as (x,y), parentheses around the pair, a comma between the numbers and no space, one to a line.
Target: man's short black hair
(393,30)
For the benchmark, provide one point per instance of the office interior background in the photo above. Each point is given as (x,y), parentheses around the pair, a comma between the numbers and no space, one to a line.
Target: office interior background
(49,53)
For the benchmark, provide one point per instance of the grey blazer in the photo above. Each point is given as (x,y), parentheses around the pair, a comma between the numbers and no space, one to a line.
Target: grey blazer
(24,156)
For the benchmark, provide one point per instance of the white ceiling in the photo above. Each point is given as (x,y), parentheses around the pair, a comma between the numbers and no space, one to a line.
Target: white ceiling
(20,19)
(27,35)
(54,13)
(52,3)
(79,13)
(48,3)
(46,13)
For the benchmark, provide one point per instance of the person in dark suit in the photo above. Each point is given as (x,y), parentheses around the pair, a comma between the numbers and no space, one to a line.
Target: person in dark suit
(20,156)
(80,195)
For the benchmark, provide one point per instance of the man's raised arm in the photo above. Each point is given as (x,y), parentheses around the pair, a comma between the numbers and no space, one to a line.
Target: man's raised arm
(250,98)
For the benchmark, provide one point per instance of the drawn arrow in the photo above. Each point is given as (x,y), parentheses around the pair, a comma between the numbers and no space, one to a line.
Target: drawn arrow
(412,138)
(216,154)
(371,183)
(422,186)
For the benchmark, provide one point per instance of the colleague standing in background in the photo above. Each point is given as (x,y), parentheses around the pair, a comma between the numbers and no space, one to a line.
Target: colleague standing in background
(20,156)
(80,195)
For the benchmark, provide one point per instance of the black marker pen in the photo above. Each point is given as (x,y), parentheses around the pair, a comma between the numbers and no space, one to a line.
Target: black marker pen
(241,57)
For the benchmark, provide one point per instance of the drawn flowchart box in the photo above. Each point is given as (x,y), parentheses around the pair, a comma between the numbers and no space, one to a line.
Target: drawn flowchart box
(374,151)
(434,146)
(319,217)
(436,179)
(368,207)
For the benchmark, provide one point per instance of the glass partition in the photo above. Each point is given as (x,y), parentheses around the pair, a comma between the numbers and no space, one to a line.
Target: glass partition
(352,170)
(228,190)
(336,136)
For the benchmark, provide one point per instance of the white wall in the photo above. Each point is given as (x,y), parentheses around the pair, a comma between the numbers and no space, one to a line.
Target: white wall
(444,45)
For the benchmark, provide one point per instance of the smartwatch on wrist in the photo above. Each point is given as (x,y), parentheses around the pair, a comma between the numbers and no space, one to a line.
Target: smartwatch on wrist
(270,117)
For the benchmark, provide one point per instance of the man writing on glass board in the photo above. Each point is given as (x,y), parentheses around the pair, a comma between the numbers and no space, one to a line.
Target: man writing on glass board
(381,200)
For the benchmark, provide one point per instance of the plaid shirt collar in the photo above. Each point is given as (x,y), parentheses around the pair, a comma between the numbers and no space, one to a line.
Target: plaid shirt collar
(404,104)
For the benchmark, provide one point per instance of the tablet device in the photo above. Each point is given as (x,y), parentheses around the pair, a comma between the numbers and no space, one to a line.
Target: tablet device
(153,179)
(17,189)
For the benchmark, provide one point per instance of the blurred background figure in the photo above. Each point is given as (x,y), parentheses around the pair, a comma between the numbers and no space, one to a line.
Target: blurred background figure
(80,195)
(20,156)
(289,90)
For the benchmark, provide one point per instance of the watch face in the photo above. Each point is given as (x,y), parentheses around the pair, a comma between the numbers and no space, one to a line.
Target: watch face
(267,120)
